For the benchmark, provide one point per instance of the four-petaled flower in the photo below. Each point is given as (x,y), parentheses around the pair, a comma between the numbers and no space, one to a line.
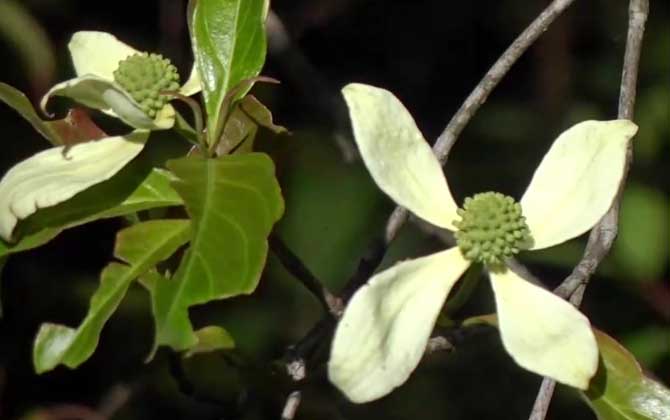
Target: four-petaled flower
(385,328)
(111,77)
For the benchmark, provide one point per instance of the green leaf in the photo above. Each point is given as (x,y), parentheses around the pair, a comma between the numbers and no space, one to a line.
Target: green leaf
(233,201)
(260,114)
(137,187)
(229,46)
(620,391)
(239,128)
(641,249)
(242,126)
(210,339)
(141,246)
(17,100)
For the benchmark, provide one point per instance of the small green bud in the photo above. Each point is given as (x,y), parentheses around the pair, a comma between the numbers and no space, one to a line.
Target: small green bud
(491,228)
(144,76)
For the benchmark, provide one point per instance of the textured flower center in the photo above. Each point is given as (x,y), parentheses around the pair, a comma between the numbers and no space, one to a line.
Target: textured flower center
(144,76)
(491,228)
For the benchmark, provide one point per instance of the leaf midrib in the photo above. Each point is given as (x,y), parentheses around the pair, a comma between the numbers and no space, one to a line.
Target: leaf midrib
(135,270)
(209,186)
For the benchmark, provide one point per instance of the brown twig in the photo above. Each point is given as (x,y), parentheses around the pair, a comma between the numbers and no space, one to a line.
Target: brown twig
(299,270)
(603,234)
(446,140)
(453,130)
(291,406)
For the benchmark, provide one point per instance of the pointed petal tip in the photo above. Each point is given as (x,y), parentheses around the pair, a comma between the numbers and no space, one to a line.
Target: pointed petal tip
(559,204)
(543,333)
(396,154)
(384,330)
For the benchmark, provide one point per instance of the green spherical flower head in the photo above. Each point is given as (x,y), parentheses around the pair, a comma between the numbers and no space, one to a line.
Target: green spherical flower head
(491,229)
(144,76)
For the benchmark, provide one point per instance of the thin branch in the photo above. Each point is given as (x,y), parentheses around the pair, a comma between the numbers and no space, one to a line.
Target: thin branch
(299,270)
(543,399)
(444,144)
(291,406)
(603,234)
(446,140)
(368,264)
(438,343)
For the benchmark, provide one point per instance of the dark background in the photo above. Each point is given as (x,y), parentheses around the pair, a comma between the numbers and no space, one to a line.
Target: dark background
(430,54)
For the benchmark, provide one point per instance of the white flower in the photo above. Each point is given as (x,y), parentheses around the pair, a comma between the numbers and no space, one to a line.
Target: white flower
(96,56)
(53,176)
(386,325)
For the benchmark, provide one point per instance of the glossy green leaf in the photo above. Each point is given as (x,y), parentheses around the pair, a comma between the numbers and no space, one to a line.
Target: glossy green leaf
(641,249)
(620,391)
(137,187)
(242,126)
(239,130)
(233,201)
(229,46)
(141,246)
(211,339)
(260,114)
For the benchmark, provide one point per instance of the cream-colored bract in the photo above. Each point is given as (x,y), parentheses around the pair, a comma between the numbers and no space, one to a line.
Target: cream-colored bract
(576,181)
(384,329)
(544,333)
(97,53)
(95,56)
(397,156)
(53,176)
(384,332)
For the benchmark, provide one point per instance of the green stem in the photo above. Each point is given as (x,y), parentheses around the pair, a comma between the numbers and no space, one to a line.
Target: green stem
(469,283)
(197,116)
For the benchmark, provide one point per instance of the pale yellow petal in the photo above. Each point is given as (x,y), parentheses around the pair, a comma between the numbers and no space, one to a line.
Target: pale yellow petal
(53,176)
(576,181)
(398,157)
(543,333)
(97,53)
(386,326)
(193,85)
(110,98)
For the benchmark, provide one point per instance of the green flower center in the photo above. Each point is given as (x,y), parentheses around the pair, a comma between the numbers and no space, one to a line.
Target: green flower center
(491,228)
(144,76)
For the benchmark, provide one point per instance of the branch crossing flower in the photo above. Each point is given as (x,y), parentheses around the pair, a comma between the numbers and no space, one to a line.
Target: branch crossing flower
(385,328)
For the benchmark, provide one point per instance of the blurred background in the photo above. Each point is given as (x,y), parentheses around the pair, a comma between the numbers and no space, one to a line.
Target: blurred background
(430,54)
